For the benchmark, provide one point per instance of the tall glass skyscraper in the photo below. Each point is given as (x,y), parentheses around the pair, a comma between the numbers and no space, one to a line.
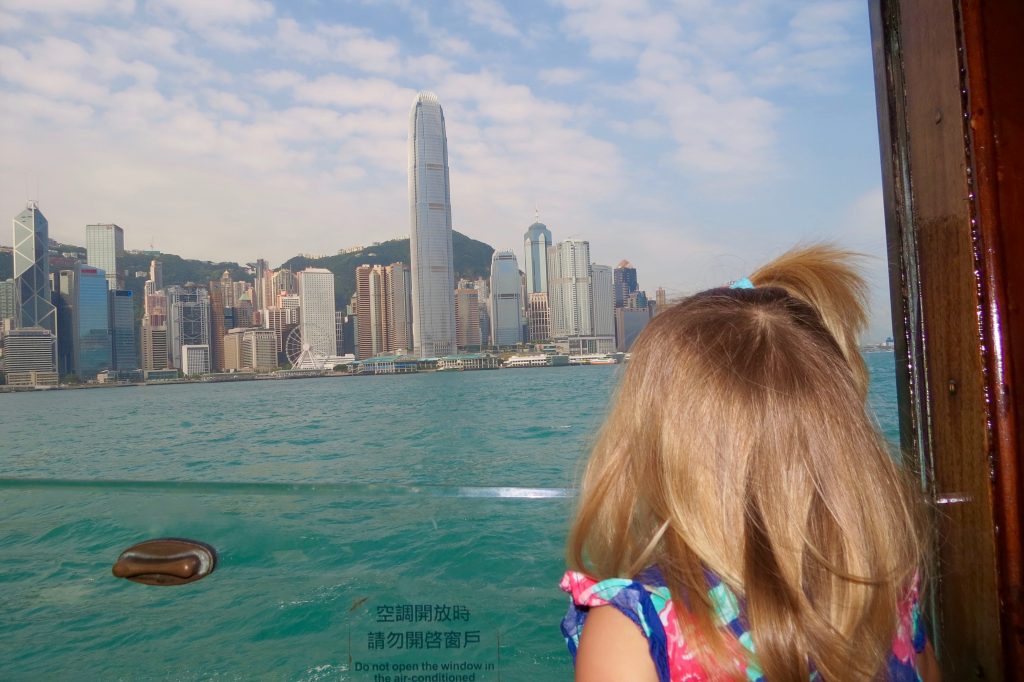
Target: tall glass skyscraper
(625,283)
(84,347)
(32,271)
(536,242)
(122,330)
(104,249)
(430,212)
(506,300)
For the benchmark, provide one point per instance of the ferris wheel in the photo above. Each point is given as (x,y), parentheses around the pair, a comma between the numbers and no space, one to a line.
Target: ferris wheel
(302,352)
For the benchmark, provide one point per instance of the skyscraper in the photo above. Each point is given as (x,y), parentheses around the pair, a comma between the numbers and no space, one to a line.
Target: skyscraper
(217,326)
(535,246)
(188,321)
(156,274)
(84,347)
(467,316)
(374,337)
(625,282)
(506,300)
(570,288)
(400,306)
(538,317)
(602,300)
(104,248)
(430,243)
(122,331)
(33,307)
(316,314)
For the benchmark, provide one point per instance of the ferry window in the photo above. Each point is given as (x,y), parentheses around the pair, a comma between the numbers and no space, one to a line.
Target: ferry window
(386,262)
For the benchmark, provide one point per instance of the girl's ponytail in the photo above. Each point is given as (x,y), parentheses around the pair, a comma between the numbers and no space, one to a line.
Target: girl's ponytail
(824,276)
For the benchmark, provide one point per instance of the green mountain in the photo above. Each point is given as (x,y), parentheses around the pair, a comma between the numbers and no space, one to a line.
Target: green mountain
(472,260)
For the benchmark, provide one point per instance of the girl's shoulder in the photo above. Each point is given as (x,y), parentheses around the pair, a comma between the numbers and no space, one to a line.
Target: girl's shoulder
(646,601)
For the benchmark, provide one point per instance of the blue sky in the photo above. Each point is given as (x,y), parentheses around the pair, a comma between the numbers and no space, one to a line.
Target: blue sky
(694,138)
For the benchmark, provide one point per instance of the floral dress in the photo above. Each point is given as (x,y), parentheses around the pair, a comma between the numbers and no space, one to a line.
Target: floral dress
(647,602)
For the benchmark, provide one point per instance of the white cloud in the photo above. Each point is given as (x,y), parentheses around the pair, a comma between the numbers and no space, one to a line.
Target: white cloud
(341,43)
(63,7)
(492,15)
(561,75)
(204,13)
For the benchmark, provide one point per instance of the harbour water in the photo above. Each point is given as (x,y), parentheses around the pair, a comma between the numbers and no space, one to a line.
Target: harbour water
(368,528)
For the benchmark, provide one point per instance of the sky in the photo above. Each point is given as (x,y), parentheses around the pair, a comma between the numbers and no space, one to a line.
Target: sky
(694,138)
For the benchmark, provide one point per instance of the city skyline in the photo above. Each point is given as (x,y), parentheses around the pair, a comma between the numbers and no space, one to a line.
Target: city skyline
(709,133)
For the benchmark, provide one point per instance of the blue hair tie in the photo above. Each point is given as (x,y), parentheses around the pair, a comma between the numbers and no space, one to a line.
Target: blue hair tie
(744,283)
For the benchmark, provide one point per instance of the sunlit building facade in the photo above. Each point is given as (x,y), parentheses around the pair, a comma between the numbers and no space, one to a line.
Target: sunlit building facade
(104,247)
(467,316)
(316,314)
(570,288)
(374,334)
(430,244)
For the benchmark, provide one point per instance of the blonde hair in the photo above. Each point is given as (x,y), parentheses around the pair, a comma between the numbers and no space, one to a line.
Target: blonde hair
(740,442)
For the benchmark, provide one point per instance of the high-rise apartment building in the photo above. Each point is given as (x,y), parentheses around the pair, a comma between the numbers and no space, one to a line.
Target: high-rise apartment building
(536,242)
(483,287)
(227,289)
(283,281)
(538,317)
(188,321)
(467,316)
(217,325)
(570,288)
(104,248)
(399,292)
(122,331)
(430,243)
(506,300)
(279,321)
(33,307)
(316,314)
(156,274)
(375,325)
(262,272)
(84,345)
(624,282)
(602,300)
(660,299)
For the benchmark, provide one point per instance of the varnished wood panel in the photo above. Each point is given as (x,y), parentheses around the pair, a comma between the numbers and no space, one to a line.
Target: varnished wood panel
(946,169)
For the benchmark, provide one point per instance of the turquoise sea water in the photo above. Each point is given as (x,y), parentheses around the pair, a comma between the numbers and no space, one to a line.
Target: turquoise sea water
(338,507)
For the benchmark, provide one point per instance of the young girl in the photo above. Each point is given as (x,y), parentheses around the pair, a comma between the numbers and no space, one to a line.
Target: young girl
(741,516)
